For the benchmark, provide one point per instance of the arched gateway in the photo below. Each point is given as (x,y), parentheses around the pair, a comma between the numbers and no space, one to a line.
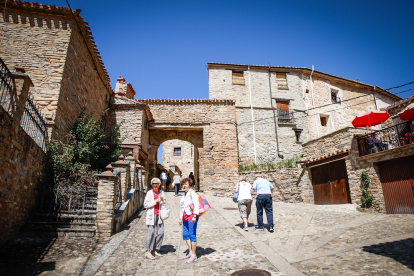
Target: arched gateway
(210,125)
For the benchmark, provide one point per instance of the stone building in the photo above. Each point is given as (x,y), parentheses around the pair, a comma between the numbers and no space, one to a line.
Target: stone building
(181,154)
(295,95)
(61,59)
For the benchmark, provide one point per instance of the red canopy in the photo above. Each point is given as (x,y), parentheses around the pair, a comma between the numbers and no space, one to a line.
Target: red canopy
(408,113)
(371,118)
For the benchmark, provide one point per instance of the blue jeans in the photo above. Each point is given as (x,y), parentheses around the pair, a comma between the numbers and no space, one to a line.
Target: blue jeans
(176,188)
(264,201)
(190,230)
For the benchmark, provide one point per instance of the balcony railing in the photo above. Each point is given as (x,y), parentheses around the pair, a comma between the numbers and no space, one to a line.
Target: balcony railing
(285,117)
(8,97)
(386,139)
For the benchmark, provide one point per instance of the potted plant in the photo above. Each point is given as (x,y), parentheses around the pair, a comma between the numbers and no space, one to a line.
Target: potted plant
(403,141)
(410,138)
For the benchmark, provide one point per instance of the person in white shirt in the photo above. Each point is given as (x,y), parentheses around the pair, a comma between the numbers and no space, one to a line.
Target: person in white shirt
(163,178)
(189,218)
(244,200)
(176,181)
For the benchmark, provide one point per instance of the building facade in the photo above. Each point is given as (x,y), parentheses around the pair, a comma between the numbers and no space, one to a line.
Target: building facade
(179,153)
(280,108)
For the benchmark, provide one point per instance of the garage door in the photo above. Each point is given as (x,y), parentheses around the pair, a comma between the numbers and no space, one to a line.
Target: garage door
(397,181)
(330,183)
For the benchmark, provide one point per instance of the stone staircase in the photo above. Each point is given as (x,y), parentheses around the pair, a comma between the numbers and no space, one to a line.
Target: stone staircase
(75,223)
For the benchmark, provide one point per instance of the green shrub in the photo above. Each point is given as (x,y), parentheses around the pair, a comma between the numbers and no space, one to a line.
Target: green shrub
(88,149)
(290,163)
(366,198)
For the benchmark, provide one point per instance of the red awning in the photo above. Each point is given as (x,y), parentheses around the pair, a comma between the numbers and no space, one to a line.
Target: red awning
(371,118)
(408,113)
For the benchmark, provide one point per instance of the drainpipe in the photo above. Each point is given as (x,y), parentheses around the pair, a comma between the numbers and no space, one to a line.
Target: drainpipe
(375,101)
(274,116)
(313,102)
(251,107)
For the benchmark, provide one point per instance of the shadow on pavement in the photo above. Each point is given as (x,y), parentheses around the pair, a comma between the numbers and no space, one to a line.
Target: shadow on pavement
(23,256)
(165,249)
(402,251)
(200,251)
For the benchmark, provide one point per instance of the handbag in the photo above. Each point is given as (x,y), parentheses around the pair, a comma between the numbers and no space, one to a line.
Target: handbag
(164,212)
(204,205)
(236,195)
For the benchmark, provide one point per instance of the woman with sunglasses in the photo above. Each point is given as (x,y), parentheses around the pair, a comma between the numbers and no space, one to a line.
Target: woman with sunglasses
(154,201)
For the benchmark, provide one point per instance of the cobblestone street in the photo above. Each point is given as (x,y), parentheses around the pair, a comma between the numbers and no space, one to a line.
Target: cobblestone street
(308,240)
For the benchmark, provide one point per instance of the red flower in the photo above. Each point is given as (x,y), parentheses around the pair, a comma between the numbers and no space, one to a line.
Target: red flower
(106,146)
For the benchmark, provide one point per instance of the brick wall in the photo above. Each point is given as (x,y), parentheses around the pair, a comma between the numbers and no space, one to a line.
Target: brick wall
(290,184)
(22,165)
(48,45)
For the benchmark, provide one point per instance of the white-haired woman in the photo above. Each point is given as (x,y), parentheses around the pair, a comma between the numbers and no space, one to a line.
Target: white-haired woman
(154,202)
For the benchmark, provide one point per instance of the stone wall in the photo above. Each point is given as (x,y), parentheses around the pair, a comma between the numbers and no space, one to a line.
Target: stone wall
(299,93)
(209,125)
(22,168)
(68,76)
(289,183)
(185,161)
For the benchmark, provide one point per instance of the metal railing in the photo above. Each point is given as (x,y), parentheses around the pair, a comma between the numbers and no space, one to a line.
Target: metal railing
(33,123)
(8,96)
(118,191)
(67,200)
(388,138)
(284,116)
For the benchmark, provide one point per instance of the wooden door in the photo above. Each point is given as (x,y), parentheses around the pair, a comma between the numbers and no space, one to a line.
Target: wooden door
(397,181)
(330,183)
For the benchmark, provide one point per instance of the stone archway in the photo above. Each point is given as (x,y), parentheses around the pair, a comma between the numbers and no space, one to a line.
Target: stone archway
(159,136)
(210,125)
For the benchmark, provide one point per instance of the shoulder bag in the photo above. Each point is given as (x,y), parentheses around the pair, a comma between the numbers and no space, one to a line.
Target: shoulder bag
(204,205)
(236,195)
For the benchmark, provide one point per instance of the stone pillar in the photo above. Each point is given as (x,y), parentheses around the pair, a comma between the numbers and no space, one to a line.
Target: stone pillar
(105,207)
(23,84)
(123,167)
(132,168)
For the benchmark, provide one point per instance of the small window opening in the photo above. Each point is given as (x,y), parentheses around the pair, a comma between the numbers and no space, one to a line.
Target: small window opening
(324,120)
(307,90)
(177,152)
(334,96)
(281,81)
(238,77)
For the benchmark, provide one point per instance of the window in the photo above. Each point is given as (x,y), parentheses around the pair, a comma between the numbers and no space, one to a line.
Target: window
(283,114)
(281,81)
(307,90)
(334,96)
(324,120)
(177,152)
(238,77)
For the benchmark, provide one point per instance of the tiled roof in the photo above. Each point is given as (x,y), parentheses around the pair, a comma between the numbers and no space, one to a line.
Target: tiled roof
(384,92)
(160,101)
(337,152)
(397,104)
(55,10)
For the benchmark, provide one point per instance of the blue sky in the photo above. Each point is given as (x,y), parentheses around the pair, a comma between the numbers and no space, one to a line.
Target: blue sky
(162,47)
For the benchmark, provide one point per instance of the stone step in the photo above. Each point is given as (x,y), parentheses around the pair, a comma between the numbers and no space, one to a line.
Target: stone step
(51,217)
(62,232)
(47,225)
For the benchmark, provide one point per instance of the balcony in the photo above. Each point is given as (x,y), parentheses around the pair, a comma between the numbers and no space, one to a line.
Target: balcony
(285,117)
(386,139)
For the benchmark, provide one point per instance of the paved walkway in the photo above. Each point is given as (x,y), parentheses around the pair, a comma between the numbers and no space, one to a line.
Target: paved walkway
(308,240)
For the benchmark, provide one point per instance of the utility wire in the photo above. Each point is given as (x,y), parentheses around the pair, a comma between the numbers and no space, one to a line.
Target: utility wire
(336,103)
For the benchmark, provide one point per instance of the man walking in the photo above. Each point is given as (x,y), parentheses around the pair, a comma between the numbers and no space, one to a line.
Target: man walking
(264,191)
